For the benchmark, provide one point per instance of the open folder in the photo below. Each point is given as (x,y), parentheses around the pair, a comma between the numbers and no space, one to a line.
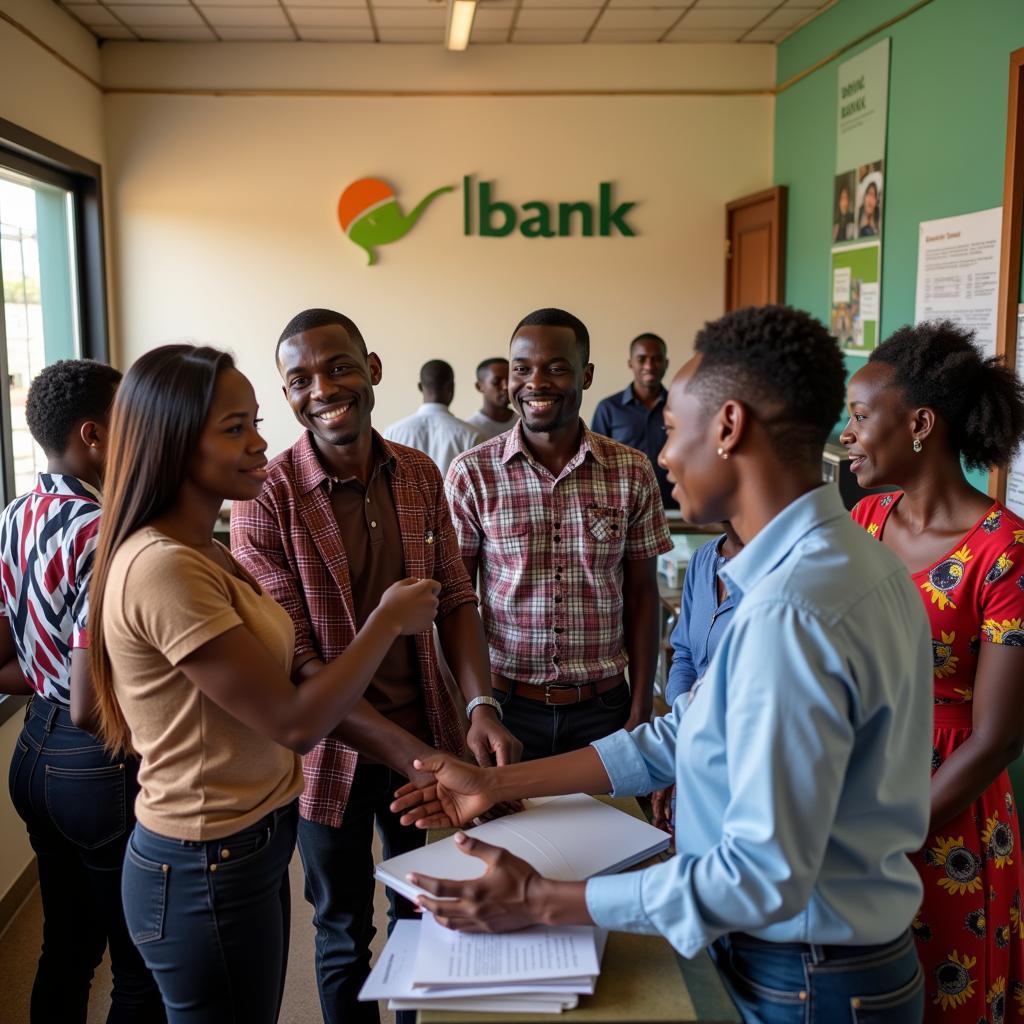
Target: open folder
(566,838)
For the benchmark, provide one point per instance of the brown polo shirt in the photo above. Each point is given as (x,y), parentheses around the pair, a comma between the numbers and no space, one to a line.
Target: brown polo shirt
(372,540)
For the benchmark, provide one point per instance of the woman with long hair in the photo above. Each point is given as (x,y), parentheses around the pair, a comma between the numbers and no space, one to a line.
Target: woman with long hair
(191,665)
(926,403)
(868,224)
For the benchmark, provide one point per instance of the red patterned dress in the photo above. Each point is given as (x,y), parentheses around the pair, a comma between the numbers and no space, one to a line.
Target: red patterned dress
(970,930)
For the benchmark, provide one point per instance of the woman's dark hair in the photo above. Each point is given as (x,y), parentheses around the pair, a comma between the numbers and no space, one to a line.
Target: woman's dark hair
(981,401)
(158,417)
(782,363)
(66,394)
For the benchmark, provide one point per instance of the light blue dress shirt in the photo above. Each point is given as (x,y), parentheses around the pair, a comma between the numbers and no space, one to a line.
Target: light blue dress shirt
(802,759)
(702,620)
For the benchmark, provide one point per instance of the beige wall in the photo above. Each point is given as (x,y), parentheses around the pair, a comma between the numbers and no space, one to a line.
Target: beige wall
(40,94)
(224,207)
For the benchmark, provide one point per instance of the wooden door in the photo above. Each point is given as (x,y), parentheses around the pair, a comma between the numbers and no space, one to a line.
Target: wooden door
(755,249)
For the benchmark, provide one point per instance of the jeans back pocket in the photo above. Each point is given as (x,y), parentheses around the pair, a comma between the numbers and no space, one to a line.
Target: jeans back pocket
(144,894)
(87,805)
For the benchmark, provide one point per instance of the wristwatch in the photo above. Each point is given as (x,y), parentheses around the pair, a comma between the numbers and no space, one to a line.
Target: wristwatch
(477,701)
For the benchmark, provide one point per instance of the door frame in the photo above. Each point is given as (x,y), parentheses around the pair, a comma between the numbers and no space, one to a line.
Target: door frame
(1012,238)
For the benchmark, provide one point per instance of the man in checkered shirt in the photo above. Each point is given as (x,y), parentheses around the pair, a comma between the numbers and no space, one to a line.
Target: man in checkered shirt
(343,515)
(564,527)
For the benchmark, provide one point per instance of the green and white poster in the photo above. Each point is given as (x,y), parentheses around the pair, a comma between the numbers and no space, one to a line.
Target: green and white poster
(856,284)
(858,189)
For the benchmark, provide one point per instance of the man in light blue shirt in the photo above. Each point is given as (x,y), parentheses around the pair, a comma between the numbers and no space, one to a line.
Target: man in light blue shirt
(802,755)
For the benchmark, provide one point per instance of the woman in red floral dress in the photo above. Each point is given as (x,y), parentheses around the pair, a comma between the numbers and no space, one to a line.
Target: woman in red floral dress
(925,403)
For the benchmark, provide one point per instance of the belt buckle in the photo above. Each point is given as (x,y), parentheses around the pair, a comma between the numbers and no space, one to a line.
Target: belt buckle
(548,687)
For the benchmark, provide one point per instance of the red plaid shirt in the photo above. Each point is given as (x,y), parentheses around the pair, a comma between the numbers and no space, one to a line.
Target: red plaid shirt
(552,550)
(288,539)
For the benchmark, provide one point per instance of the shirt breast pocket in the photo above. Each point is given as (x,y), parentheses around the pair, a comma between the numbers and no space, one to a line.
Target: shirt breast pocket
(605,534)
(509,542)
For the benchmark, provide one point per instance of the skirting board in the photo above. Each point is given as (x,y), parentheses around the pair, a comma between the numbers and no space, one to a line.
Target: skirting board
(16,895)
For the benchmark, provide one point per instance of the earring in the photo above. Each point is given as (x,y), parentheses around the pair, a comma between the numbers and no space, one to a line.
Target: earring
(722,453)
(917,446)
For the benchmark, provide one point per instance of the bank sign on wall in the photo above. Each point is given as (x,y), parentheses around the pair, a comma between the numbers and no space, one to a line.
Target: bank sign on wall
(371,216)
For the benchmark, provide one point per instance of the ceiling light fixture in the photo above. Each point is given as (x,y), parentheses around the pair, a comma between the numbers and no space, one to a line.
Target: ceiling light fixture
(460,23)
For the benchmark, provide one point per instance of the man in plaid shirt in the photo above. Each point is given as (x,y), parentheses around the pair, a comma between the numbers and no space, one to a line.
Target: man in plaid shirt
(343,515)
(564,527)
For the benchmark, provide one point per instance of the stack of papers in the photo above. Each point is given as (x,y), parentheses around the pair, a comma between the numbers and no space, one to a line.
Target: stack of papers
(565,838)
(539,970)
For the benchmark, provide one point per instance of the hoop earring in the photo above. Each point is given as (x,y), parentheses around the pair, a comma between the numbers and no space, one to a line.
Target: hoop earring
(917,446)
(722,453)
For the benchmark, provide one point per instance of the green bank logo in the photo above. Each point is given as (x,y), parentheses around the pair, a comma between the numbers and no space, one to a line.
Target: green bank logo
(370,215)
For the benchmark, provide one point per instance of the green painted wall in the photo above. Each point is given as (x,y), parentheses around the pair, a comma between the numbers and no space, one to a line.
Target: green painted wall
(948,79)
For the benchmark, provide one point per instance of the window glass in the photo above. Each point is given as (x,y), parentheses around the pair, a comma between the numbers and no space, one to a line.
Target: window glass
(40,300)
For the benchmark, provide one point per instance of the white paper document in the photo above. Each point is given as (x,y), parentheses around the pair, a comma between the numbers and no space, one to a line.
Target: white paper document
(566,838)
(392,977)
(447,957)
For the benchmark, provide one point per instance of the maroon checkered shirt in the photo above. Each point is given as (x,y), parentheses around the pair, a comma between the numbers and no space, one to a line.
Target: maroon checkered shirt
(552,549)
(288,539)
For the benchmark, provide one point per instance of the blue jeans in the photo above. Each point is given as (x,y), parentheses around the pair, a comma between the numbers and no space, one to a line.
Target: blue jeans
(793,983)
(212,919)
(545,730)
(77,802)
(339,884)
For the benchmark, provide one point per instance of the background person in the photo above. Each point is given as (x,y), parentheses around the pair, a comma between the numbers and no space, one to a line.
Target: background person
(342,515)
(704,616)
(869,221)
(77,799)
(495,417)
(926,403)
(191,664)
(800,759)
(564,527)
(432,428)
(635,416)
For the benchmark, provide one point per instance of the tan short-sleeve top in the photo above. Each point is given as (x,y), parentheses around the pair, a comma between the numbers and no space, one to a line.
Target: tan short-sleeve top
(204,775)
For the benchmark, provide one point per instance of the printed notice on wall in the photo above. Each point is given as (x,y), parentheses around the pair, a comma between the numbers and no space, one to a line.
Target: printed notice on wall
(958,273)
(1015,475)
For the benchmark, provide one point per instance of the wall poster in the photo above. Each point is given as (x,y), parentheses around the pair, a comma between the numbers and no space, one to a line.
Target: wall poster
(858,199)
(958,272)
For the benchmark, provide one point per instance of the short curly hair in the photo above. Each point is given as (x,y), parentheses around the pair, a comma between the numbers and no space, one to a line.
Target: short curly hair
(783,364)
(939,365)
(65,394)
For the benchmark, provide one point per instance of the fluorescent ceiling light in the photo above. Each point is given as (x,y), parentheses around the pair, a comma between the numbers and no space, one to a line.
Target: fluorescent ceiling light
(460,23)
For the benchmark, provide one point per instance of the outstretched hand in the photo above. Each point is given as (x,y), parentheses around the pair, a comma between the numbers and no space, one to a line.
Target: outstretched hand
(504,898)
(459,793)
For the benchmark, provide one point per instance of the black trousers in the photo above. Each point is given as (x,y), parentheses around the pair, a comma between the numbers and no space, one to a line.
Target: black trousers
(545,729)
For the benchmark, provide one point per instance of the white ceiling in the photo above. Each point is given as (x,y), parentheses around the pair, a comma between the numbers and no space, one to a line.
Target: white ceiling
(423,21)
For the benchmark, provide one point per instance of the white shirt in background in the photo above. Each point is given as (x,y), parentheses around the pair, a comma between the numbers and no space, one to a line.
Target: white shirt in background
(490,428)
(434,430)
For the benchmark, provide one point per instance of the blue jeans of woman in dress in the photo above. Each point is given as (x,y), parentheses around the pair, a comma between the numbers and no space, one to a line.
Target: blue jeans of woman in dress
(77,802)
(794,983)
(212,919)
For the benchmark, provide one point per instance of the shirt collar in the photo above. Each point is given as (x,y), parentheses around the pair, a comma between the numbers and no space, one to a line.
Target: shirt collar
(590,443)
(433,407)
(775,542)
(310,472)
(65,484)
(628,396)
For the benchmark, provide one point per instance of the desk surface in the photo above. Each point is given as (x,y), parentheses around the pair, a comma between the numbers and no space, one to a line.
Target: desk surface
(642,981)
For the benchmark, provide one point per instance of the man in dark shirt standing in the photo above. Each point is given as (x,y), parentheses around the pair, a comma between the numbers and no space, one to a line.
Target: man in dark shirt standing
(343,515)
(634,416)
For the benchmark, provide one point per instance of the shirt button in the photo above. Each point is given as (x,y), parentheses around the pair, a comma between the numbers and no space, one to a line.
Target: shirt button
(558,539)
(373,523)
(558,600)
(558,629)
(555,659)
